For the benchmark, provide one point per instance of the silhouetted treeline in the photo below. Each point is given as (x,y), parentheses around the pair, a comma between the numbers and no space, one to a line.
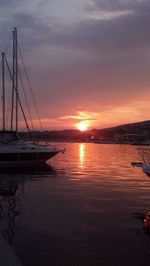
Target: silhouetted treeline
(129,133)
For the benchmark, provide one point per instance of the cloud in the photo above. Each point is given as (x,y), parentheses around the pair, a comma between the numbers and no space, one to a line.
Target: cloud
(114,5)
(87,56)
(108,15)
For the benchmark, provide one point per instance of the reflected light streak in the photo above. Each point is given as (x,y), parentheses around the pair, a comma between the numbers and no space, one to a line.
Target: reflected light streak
(82,154)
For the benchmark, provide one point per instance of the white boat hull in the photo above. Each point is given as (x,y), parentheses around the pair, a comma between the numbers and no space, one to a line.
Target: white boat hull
(146,169)
(18,152)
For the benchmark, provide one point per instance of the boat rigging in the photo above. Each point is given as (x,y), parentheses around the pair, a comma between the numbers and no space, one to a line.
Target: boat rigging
(12,148)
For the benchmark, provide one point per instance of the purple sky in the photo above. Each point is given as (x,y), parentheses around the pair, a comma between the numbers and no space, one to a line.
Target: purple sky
(87,59)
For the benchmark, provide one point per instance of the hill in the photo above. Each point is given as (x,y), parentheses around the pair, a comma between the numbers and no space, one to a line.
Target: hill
(135,132)
(129,133)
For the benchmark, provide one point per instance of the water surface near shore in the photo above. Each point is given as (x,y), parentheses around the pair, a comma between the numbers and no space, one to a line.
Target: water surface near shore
(86,209)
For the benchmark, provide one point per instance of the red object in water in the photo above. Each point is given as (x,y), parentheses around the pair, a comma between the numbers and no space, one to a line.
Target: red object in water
(147,220)
(147,215)
(147,223)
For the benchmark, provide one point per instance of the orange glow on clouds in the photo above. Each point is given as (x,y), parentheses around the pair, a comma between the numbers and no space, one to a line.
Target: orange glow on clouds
(134,111)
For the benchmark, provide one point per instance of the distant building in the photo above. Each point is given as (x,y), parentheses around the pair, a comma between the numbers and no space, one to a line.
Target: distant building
(130,138)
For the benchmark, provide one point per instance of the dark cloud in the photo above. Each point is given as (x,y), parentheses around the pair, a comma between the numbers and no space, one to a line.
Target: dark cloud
(103,36)
(8,3)
(120,50)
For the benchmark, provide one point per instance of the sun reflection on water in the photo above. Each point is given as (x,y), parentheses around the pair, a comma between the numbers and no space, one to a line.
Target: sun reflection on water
(82,154)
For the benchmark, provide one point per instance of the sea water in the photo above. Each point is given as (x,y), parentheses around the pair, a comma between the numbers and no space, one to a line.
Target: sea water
(85,209)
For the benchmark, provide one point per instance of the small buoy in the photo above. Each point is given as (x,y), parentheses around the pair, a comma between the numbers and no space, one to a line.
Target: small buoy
(147,223)
(147,215)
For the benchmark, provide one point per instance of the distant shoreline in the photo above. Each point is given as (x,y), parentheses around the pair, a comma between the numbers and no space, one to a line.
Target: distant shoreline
(91,142)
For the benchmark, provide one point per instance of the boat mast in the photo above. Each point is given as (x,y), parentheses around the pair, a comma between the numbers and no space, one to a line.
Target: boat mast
(16,103)
(15,81)
(3,88)
(16,75)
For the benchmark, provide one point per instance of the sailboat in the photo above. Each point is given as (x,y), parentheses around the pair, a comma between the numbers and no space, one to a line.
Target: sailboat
(14,150)
(145,164)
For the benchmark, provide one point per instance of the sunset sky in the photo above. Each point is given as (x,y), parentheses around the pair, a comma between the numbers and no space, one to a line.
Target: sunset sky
(88,60)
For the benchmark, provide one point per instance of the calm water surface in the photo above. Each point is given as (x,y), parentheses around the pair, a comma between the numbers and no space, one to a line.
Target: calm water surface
(84,210)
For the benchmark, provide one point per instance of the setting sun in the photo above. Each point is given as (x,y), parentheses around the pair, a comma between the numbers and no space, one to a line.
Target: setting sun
(82,126)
